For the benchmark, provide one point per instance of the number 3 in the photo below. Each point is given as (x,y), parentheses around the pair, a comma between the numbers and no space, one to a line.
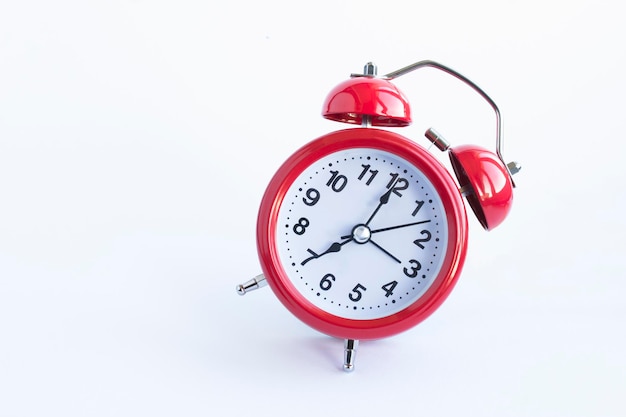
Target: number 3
(412,273)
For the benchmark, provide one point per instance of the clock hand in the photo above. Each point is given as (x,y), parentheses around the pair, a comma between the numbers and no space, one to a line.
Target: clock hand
(386,252)
(334,247)
(398,227)
(384,199)
(384,229)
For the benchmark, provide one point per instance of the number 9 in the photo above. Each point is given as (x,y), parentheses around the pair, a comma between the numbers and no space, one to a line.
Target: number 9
(313,196)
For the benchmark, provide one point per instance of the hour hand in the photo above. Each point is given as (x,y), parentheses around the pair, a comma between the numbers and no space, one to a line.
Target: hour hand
(334,247)
(384,199)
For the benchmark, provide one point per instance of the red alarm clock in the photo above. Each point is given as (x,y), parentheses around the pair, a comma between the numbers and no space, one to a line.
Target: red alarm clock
(362,233)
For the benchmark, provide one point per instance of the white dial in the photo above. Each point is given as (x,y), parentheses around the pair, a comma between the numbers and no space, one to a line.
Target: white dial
(362,233)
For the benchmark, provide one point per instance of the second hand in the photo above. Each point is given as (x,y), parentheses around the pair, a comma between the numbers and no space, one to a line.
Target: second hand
(384,229)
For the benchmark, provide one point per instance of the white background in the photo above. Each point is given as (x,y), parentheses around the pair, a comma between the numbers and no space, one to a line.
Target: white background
(137,138)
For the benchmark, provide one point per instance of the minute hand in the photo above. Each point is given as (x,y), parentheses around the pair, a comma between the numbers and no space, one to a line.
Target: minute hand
(384,229)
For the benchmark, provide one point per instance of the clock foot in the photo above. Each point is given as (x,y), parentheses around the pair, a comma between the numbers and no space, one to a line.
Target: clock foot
(254,284)
(349,354)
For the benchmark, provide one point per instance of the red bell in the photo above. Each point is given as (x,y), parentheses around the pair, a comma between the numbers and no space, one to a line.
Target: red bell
(485,181)
(363,96)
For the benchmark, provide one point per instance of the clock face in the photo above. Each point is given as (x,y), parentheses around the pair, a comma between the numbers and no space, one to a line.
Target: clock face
(362,233)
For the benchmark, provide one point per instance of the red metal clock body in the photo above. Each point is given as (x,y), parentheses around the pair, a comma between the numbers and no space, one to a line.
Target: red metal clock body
(282,278)
(362,233)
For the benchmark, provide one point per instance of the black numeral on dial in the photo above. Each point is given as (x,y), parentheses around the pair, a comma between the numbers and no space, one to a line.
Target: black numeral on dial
(419,206)
(397,184)
(300,227)
(388,288)
(327,282)
(312,197)
(426,238)
(357,293)
(412,271)
(337,182)
(372,173)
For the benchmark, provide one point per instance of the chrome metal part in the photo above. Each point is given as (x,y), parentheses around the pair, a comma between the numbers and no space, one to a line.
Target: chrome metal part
(254,284)
(370,69)
(466,190)
(513,167)
(361,234)
(349,354)
(439,141)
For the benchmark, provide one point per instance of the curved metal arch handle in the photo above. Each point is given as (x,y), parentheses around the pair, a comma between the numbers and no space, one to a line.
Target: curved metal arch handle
(512,167)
